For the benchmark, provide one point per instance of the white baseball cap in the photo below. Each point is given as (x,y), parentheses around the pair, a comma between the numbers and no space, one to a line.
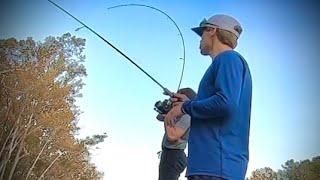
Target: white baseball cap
(220,21)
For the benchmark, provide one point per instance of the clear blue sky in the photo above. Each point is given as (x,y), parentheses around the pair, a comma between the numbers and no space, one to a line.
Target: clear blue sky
(280,42)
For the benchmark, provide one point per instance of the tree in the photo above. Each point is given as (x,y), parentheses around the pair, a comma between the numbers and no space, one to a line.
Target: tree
(39,83)
(305,169)
(291,170)
(264,174)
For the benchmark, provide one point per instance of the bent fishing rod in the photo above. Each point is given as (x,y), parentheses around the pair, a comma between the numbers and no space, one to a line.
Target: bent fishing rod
(183,58)
(166,91)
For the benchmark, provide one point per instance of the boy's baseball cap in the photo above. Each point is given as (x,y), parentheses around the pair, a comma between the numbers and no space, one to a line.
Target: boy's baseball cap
(220,21)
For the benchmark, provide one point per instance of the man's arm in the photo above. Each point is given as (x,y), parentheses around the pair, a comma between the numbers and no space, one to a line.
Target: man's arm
(176,131)
(228,84)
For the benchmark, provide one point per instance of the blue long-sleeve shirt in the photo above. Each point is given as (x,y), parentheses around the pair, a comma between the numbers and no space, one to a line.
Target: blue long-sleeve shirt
(219,133)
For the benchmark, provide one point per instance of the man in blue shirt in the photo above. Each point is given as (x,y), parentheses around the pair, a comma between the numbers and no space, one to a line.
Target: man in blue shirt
(220,115)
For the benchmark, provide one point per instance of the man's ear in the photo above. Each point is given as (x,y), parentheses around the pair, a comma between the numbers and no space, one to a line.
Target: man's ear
(212,31)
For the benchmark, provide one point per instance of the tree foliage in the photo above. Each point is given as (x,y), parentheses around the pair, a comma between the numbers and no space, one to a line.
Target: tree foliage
(264,174)
(39,83)
(291,170)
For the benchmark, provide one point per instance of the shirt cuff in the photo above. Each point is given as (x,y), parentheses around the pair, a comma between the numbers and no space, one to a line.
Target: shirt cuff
(185,108)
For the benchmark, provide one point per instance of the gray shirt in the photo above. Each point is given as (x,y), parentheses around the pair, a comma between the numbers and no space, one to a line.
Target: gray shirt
(184,123)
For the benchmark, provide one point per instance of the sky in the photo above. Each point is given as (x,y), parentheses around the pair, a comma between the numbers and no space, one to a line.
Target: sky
(279,42)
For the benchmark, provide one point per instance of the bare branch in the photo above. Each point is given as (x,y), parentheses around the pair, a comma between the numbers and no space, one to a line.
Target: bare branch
(5,142)
(21,145)
(44,172)
(35,161)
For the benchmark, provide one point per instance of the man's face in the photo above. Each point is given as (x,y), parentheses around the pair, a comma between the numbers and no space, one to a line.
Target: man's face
(206,41)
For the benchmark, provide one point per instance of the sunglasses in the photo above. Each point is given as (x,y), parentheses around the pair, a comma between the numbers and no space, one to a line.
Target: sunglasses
(205,23)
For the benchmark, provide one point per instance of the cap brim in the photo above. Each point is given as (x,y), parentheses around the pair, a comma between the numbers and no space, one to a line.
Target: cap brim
(198,30)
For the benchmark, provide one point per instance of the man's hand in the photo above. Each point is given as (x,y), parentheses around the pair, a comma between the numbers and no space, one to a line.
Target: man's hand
(174,113)
(160,117)
(179,98)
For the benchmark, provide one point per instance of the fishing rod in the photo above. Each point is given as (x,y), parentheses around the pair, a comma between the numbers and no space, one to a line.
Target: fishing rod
(183,58)
(166,91)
